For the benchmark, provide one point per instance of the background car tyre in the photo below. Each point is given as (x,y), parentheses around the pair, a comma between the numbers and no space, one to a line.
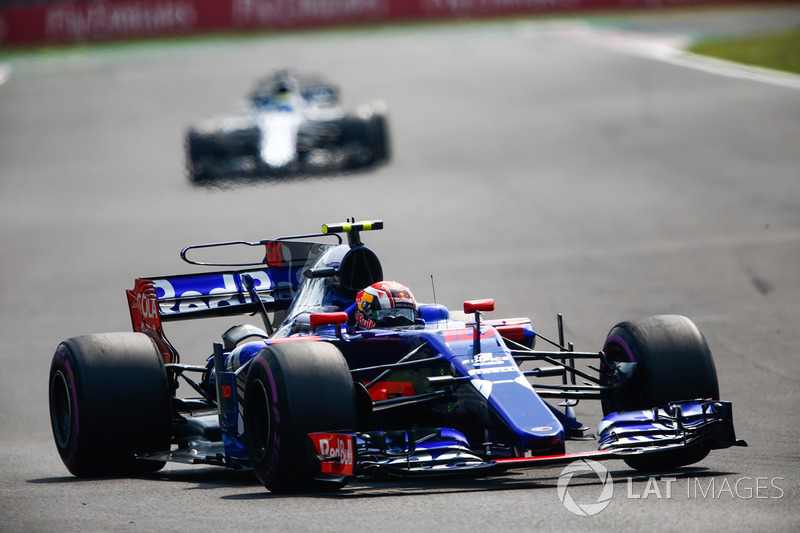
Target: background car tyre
(109,400)
(355,138)
(366,133)
(201,152)
(294,389)
(674,363)
(381,147)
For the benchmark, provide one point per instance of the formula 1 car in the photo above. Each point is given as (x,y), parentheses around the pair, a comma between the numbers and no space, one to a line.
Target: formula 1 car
(311,399)
(290,125)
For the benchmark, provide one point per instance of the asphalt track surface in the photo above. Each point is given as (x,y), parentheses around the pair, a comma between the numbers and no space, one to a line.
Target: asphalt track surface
(536,163)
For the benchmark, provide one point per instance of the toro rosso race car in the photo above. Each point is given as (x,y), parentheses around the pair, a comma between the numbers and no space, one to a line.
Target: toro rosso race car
(349,376)
(288,126)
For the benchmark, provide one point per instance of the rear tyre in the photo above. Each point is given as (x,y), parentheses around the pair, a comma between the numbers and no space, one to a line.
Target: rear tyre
(674,363)
(294,389)
(109,401)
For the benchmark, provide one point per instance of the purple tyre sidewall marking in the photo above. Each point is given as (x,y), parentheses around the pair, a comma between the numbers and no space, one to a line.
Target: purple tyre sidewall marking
(616,339)
(273,463)
(70,449)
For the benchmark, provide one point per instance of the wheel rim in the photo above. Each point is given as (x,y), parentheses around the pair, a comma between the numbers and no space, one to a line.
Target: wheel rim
(259,428)
(61,409)
(616,352)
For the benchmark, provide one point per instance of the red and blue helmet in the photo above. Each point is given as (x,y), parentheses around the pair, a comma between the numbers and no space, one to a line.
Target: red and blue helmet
(385,304)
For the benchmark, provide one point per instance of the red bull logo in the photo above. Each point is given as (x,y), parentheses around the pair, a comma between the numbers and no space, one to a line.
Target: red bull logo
(336,452)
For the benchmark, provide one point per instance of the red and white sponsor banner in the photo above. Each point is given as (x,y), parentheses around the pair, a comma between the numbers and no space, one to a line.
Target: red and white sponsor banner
(336,452)
(103,20)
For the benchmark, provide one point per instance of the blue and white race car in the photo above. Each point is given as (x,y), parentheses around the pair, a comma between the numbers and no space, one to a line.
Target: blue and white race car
(349,376)
(289,125)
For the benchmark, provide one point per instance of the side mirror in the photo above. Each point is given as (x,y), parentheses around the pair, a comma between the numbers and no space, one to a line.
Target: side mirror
(326,319)
(472,306)
(476,306)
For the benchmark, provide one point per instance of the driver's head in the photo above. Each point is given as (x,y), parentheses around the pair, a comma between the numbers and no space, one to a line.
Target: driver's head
(385,304)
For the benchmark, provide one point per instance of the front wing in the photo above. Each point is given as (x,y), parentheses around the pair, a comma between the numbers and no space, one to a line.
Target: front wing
(444,452)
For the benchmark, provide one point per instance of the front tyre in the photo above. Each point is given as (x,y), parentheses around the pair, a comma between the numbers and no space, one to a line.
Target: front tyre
(109,401)
(379,137)
(673,363)
(366,134)
(294,389)
(202,153)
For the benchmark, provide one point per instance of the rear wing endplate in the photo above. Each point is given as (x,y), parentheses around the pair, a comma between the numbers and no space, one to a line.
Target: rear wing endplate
(154,300)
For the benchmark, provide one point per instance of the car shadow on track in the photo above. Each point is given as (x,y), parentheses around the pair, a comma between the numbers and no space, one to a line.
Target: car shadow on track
(204,478)
(241,182)
(530,480)
(242,480)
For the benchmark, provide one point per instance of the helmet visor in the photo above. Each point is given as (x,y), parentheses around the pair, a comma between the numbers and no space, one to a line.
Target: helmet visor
(395,317)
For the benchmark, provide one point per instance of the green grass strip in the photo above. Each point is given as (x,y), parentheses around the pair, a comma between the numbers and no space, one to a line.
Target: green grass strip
(775,50)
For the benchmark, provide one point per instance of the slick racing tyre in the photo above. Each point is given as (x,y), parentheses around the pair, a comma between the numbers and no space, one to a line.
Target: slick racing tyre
(367,134)
(674,363)
(379,142)
(294,389)
(109,401)
(202,152)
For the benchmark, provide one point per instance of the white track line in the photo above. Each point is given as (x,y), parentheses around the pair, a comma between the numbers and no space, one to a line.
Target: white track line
(670,49)
(5,72)
(732,69)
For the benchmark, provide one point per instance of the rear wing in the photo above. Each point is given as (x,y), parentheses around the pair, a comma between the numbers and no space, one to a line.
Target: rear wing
(275,280)
(268,285)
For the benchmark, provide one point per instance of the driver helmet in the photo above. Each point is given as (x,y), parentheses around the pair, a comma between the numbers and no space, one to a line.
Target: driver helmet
(283,93)
(385,304)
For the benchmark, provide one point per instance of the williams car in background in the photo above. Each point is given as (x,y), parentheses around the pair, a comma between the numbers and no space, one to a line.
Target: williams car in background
(289,125)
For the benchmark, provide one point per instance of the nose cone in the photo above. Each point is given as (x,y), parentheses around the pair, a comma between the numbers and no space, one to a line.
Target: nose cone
(544,440)
(537,429)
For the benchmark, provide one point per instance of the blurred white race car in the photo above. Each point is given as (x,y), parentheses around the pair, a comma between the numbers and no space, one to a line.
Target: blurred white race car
(290,125)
